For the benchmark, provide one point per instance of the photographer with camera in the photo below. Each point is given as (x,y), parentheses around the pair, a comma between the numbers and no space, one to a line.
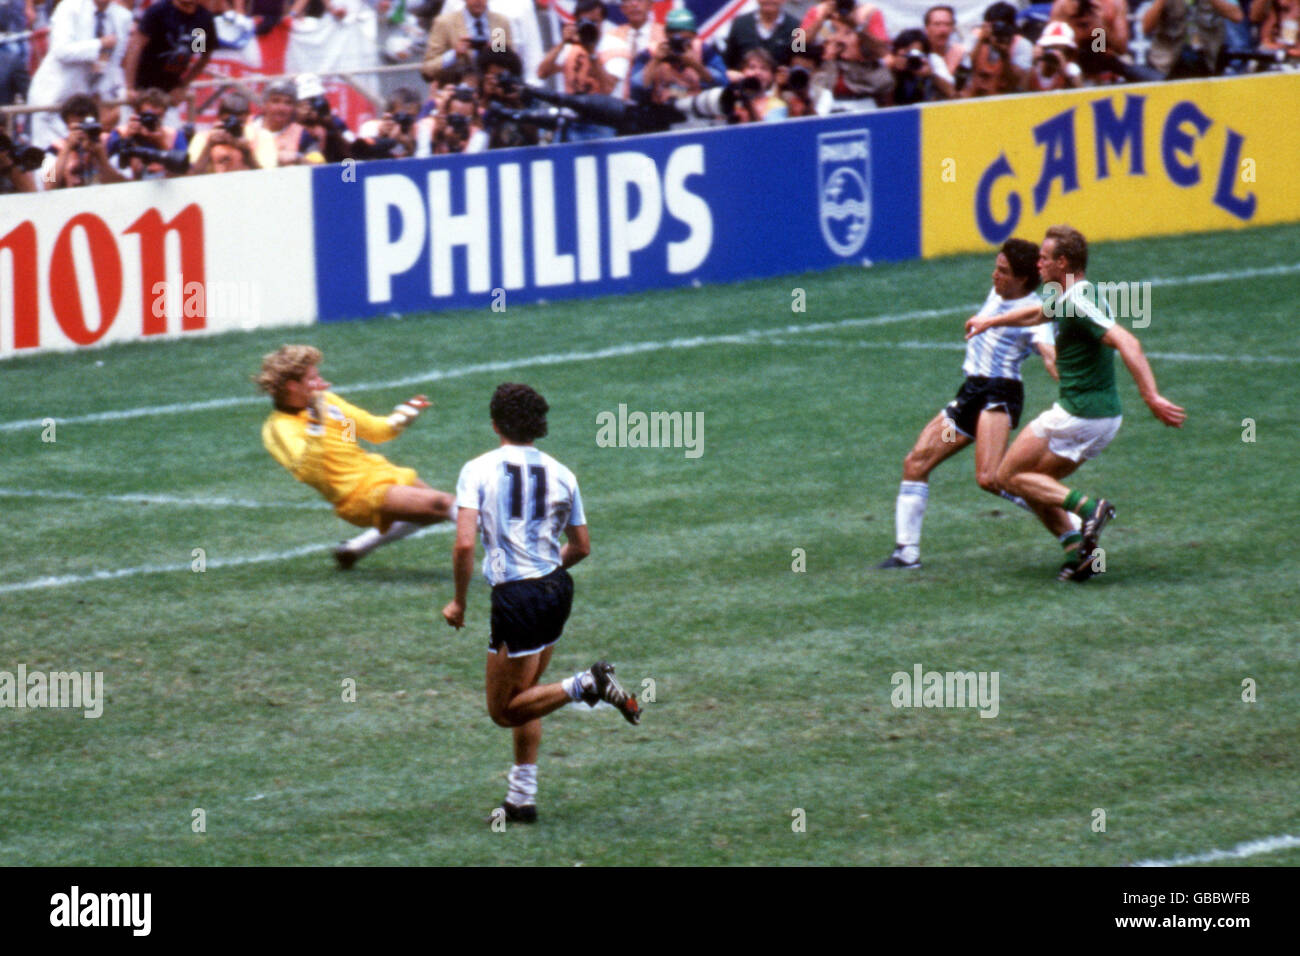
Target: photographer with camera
(88,39)
(293,144)
(852,70)
(1054,65)
(940,24)
(394,135)
(829,17)
(576,58)
(143,147)
(502,96)
(757,97)
(1187,35)
(920,75)
(1000,57)
(171,45)
(329,135)
(629,42)
(463,37)
(224,152)
(232,116)
(79,159)
(680,65)
(456,126)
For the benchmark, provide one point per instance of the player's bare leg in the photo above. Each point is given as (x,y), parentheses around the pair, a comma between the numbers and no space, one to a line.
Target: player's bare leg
(408,508)
(1031,470)
(939,440)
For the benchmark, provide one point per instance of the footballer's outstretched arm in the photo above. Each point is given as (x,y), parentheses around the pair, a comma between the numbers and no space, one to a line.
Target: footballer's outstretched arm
(577,545)
(1023,316)
(462,565)
(1130,350)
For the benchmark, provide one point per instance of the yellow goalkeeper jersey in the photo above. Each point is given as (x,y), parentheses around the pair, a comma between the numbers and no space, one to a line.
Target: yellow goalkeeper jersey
(325,454)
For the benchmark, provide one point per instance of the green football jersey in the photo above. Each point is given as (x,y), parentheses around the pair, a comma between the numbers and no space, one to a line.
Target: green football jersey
(1086,366)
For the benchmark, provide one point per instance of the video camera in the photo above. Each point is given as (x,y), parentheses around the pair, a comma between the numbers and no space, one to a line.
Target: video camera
(26,156)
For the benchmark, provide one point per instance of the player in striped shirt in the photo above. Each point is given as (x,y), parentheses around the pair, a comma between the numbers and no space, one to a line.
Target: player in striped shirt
(313,433)
(987,406)
(1088,415)
(520,499)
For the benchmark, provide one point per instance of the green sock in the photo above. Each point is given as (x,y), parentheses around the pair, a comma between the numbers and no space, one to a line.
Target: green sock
(1080,504)
(1070,541)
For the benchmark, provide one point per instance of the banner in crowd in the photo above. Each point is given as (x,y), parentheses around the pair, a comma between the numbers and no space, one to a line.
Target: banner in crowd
(615,216)
(1115,162)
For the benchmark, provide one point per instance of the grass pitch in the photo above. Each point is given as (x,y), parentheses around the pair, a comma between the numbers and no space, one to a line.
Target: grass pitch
(772,687)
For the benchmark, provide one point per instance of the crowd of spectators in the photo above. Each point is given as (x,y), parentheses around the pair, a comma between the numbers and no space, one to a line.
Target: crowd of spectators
(119,72)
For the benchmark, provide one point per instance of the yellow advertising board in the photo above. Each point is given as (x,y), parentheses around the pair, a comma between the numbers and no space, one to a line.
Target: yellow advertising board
(1114,162)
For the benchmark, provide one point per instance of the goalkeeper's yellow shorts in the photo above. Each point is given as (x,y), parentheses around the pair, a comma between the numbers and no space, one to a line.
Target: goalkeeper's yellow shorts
(363,506)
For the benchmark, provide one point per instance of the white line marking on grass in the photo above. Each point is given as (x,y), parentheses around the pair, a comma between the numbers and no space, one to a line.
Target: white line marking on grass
(506,365)
(615,351)
(159,499)
(59,581)
(1239,852)
(959,347)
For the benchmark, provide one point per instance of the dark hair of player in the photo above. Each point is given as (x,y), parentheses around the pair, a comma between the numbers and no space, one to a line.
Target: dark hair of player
(519,413)
(1070,244)
(1022,256)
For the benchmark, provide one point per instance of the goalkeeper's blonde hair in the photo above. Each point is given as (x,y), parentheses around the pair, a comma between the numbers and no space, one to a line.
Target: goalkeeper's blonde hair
(288,363)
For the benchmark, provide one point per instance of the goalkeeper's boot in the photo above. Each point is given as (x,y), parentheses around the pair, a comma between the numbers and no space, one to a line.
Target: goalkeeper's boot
(1092,526)
(606,688)
(344,558)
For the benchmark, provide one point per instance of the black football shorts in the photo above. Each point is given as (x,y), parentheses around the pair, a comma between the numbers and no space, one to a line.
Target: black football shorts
(528,616)
(977,394)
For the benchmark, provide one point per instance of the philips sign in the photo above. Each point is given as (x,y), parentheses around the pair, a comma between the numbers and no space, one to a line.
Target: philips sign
(614,216)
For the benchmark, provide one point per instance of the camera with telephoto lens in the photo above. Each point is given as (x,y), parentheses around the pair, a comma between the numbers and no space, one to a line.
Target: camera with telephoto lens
(173,160)
(915,60)
(28,157)
(796,80)
(149,121)
(588,33)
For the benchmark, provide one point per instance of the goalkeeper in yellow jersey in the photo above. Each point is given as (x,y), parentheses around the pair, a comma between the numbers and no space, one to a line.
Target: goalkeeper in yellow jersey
(313,433)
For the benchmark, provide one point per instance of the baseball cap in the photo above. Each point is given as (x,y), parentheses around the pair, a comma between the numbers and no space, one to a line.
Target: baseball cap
(680,19)
(1057,33)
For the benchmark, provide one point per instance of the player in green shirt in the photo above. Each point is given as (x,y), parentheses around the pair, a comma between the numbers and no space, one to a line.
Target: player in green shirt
(1088,415)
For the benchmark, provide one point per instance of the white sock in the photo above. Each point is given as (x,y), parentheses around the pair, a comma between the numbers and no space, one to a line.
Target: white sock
(575,685)
(370,539)
(522,785)
(909,512)
(1076,523)
(1016,500)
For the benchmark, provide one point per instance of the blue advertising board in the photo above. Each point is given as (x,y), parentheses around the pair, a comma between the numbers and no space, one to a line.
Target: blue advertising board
(616,216)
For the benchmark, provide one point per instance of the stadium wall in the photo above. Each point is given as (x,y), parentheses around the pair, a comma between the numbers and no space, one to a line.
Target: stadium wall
(81,268)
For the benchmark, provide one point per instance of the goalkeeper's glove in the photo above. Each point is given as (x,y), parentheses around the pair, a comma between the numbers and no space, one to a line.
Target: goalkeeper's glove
(408,411)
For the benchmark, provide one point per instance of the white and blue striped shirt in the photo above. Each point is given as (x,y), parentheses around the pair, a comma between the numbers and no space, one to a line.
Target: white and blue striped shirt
(525,499)
(1000,351)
